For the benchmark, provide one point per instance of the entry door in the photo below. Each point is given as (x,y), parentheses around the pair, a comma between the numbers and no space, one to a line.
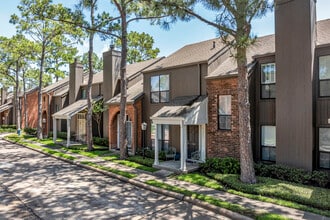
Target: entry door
(81,134)
(193,141)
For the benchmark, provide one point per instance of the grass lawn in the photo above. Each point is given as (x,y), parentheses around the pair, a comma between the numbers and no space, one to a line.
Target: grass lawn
(217,202)
(307,198)
(109,169)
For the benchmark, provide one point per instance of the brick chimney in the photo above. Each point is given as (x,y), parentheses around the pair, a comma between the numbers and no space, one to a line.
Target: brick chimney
(111,76)
(76,79)
(295,24)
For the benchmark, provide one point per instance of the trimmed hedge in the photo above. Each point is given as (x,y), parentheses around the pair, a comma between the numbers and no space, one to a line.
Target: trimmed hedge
(232,166)
(101,141)
(30,131)
(8,126)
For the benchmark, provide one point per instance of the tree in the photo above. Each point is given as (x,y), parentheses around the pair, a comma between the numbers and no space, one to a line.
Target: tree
(139,47)
(15,54)
(233,21)
(96,21)
(98,109)
(97,62)
(132,11)
(47,34)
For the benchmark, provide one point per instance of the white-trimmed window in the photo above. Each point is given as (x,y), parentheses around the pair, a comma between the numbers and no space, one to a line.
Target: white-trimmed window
(268,80)
(224,112)
(324,75)
(160,89)
(83,94)
(324,148)
(268,143)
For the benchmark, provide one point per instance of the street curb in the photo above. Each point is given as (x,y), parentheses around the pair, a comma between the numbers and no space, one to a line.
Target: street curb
(175,195)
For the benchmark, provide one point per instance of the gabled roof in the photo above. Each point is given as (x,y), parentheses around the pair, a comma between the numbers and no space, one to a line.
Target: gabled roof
(266,46)
(5,107)
(131,70)
(73,109)
(56,85)
(133,94)
(190,54)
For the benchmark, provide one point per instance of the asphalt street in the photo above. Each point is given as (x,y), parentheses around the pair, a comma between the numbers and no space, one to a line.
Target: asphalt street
(35,186)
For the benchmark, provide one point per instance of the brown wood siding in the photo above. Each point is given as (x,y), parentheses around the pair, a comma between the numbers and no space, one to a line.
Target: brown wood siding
(295,43)
(264,109)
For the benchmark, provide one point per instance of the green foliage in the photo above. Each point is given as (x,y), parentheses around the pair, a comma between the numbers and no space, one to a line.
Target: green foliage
(281,172)
(7,128)
(30,131)
(203,180)
(144,161)
(226,165)
(139,47)
(307,195)
(101,141)
(97,62)
(269,216)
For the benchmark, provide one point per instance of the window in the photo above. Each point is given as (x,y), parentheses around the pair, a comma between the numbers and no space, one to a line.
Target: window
(268,143)
(324,147)
(324,75)
(83,93)
(224,112)
(160,89)
(163,136)
(57,108)
(268,80)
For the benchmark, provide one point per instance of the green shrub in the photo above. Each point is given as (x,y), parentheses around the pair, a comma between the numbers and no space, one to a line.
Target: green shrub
(101,141)
(62,135)
(226,165)
(281,172)
(30,131)
(8,126)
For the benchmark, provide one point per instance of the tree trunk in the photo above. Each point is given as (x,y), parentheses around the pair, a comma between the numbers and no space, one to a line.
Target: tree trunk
(246,158)
(89,135)
(123,85)
(18,113)
(42,60)
(25,103)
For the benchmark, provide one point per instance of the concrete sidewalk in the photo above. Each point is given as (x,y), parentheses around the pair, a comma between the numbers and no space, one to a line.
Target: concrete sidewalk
(161,176)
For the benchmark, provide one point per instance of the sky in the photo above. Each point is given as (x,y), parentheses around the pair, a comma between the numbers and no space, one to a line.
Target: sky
(168,41)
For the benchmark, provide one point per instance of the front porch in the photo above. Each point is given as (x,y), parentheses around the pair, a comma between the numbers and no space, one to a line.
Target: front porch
(175,166)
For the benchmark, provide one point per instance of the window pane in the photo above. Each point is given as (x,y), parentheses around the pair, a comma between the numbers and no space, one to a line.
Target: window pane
(225,105)
(155,97)
(154,83)
(272,154)
(324,67)
(265,153)
(153,131)
(268,136)
(164,96)
(268,73)
(225,122)
(164,83)
(325,88)
(325,160)
(268,91)
(324,139)
(166,132)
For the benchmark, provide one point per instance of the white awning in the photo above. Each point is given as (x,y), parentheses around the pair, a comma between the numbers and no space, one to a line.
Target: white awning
(5,107)
(73,109)
(191,114)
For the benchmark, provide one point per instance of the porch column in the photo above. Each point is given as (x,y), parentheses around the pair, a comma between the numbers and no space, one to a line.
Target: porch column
(202,142)
(54,130)
(68,132)
(156,162)
(183,146)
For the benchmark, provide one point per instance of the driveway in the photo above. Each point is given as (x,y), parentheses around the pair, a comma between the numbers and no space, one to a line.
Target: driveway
(35,186)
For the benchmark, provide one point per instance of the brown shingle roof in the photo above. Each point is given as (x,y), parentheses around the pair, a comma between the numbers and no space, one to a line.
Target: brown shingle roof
(323,32)
(133,93)
(56,85)
(266,45)
(189,54)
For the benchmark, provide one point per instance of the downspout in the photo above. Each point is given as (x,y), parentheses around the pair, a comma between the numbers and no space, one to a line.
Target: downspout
(48,115)
(136,129)
(199,79)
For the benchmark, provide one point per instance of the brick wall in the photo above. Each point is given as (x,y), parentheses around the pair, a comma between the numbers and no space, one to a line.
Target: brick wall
(222,143)
(134,113)
(32,110)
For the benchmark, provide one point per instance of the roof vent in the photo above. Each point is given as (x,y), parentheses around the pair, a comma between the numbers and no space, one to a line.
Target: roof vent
(213,44)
